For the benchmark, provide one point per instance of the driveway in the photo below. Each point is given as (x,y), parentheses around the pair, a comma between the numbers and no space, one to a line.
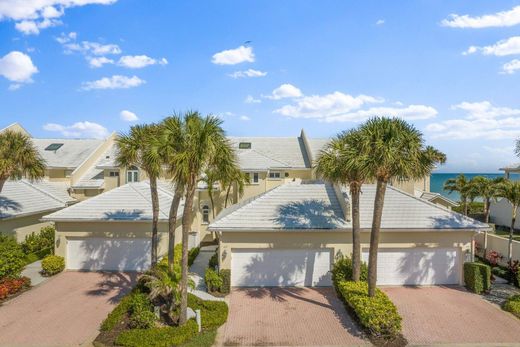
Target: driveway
(63,311)
(289,317)
(437,315)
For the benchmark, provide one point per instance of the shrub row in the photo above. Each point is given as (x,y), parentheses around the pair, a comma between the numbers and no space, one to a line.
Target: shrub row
(513,305)
(158,337)
(192,254)
(378,315)
(36,242)
(218,281)
(342,270)
(140,310)
(12,258)
(477,277)
(10,286)
(116,316)
(53,264)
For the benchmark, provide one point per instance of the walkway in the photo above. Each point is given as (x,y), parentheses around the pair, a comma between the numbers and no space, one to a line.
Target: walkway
(197,271)
(33,271)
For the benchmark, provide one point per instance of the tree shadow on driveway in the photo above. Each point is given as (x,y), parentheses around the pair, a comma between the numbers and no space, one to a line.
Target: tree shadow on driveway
(114,284)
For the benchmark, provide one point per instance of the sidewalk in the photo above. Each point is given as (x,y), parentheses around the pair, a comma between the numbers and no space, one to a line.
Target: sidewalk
(33,271)
(197,271)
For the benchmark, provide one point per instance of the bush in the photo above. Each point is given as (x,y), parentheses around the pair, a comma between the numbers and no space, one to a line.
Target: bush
(378,314)
(12,258)
(477,277)
(158,337)
(140,310)
(53,264)
(225,274)
(43,240)
(10,286)
(513,305)
(116,316)
(342,270)
(213,261)
(213,280)
(192,254)
(213,313)
(513,268)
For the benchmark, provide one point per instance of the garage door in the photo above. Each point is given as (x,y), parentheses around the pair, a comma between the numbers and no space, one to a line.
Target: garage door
(274,268)
(417,266)
(108,254)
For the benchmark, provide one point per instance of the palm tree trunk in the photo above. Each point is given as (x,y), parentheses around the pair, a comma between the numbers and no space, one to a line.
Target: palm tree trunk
(227,195)
(172,223)
(212,203)
(511,232)
(487,209)
(465,206)
(186,226)
(155,218)
(374,236)
(2,182)
(356,234)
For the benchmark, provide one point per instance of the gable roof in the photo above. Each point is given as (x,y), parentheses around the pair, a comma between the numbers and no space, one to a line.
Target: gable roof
(23,198)
(69,156)
(431,196)
(130,202)
(315,206)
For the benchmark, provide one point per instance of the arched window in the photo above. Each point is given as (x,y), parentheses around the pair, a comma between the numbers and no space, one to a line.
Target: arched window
(132,174)
(205,214)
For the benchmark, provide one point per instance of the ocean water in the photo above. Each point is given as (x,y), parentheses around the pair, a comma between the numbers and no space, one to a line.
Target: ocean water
(437,181)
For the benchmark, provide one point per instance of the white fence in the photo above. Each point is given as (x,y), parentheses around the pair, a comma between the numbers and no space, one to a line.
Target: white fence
(499,244)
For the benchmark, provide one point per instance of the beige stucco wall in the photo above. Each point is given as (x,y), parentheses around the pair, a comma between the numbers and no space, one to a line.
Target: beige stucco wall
(339,242)
(23,226)
(410,187)
(499,244)
(66,230)
(57,175)
(264,183)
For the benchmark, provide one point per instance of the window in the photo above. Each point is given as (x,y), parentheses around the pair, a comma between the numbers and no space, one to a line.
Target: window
(132,174)
(252,177)
(274,175)
(205,214)
(244,145)
(255,177)
(114,174)
(53,147)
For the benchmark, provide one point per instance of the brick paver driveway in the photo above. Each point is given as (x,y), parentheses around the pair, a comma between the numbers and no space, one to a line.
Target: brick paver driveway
(452,315)
(289,317)
(64,311)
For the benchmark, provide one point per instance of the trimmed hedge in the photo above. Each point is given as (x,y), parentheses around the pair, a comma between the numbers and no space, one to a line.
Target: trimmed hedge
(213,313)
(513,305)
(53,264)
(213,261)
(158,337)
(192,254)
(213,280)
(225,274)
(342,270)
(117,314)
(378,315)
(477,277)
(12,258)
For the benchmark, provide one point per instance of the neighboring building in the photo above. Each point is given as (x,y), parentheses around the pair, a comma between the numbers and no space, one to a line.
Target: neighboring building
(436,198)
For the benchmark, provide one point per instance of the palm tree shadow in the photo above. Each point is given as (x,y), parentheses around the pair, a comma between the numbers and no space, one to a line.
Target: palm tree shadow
(124,215)
(8,206)
(308,214)
(115,285)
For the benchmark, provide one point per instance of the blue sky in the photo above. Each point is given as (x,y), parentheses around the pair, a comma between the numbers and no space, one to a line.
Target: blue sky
(268,68)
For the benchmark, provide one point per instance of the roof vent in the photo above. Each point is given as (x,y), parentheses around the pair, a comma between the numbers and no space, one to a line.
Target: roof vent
(244,145)
(53,147)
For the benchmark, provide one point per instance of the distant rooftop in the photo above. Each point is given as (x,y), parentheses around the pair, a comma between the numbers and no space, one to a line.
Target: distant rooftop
(66,153)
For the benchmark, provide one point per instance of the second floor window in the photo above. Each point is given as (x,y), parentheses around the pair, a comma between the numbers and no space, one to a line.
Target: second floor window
(132,174)
(252,177)
(205,214)
(274,175)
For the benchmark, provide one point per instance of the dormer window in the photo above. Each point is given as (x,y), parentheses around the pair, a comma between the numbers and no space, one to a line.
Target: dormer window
(244,145)
(53,147)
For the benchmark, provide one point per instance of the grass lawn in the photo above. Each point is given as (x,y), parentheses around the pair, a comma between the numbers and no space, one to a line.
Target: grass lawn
(505,233)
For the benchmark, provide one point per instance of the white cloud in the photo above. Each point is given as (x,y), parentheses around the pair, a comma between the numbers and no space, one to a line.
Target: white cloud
(14,86)
(128,116)
(234,56)
(114,82)
(32,15)
(380,22)
(511,67)
(88,48)
(244,118)
(251,100)
(499,19)
(99,61)
(482,121)
(139,61)
(248,73)
(501,48)
(17,67)
(411,112)
(285,91)
(79,129)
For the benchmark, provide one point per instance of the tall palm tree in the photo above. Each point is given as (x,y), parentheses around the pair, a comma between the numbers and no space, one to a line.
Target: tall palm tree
(486,189)
(210,177)
(19,158)
(204,145)
(391,149)
(233,178)
(138,148)
(340,163)
(461,185)
(510,190)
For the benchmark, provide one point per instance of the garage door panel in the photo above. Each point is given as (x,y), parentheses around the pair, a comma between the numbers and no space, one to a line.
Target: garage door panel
(108,254)
(417,266)
(273,268)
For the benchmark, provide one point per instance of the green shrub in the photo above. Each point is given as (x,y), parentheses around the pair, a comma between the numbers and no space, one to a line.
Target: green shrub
(225,274)
(513,305)
(12,258)
(140,310)
(116,316)
(158,337)
(53,264)
(377,314)
(342,270)
(213,280)
(213,313)
(213,261)
(500,272)
(192,254)
(477,277)
(36,242)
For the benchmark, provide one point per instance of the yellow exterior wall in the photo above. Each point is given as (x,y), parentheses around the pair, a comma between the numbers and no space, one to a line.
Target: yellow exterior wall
(339,242)
(23,226)
(264,183)
(57,175)
(410,187)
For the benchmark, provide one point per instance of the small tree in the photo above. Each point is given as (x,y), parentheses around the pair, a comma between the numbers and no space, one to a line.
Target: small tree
(461,185)
(510,190)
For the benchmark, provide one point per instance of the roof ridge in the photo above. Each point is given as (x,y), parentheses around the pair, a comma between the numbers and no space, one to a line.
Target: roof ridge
(148,199)
(43,191)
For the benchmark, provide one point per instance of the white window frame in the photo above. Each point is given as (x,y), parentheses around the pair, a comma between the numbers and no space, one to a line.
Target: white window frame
(132,175)
(206,209)
(275,178)
(251,177)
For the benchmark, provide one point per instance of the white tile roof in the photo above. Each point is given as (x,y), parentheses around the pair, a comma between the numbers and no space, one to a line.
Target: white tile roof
(315,206)
(108,159)
(430,196)
(22,198)
(316,145)
(130,202)
(70,155)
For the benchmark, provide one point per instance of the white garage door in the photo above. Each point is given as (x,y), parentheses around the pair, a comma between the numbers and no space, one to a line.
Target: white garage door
(417,266)
(108,254)
(285,268)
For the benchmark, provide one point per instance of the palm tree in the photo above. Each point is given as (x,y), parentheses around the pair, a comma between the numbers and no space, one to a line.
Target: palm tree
(19,158)
(138,148)
(204,145)
(340,163)
(461,185)
(210,177)
(510,190)
(486,189)
(391,149)
(233,178)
